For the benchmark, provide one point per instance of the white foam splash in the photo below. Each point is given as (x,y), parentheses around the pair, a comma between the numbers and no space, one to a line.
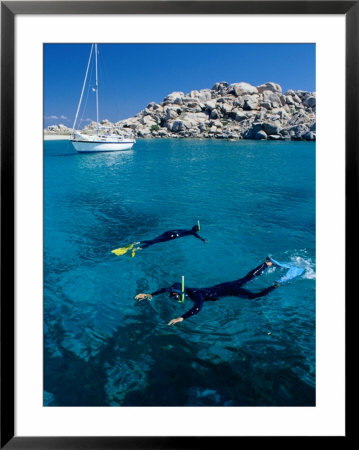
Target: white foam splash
(307,264)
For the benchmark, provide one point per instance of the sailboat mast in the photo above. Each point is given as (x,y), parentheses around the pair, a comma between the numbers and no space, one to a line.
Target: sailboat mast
(82,92)
(96,87)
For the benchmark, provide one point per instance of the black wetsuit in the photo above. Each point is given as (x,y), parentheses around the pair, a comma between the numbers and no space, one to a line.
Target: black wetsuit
(227,289)
(170,235)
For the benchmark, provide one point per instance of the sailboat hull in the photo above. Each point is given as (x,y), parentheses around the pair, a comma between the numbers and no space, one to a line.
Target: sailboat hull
(90,147)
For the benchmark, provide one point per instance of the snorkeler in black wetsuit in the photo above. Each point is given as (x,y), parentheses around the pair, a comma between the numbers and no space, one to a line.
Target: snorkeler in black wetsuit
(170,235)
(166,236)
(201,295)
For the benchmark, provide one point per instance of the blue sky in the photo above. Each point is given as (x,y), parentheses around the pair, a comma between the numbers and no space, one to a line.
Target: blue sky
(133,75)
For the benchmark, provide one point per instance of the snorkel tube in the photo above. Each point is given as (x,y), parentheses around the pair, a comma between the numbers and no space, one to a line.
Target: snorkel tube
(182,291)
(179,292)
(199,225)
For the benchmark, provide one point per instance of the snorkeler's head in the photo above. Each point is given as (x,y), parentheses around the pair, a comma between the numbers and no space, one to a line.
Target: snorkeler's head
(176,291)
(195,228)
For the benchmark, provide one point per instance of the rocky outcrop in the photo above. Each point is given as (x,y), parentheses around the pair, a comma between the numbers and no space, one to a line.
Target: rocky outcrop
(228,111)
(57,130)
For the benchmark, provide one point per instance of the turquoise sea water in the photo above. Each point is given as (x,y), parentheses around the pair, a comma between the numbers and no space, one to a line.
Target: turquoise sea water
(253,199)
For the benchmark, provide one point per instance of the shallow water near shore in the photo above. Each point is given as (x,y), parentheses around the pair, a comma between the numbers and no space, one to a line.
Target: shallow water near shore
(253,199)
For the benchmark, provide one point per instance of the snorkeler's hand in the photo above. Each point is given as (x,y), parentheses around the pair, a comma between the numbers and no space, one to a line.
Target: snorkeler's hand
(173,321)
(140,297)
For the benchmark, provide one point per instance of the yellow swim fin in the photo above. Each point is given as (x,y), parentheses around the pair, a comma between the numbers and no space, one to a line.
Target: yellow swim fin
(122,250)
(133,252)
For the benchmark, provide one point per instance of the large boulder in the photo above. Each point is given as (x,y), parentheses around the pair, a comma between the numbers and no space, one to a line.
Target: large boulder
(148,121)
(220,86)
(260,135)
(273,87)
(240,116)
(210,105)
(310,101)
(266,105)
(178,125)
(250,102)
(310,136)
(298,132)
(271,97)
(194,118)
(271,127)
(170,113)
(289,100)
(226,108)
(190,102)
(204,95)
(242,88)
(193,94)
(174,97)
(214,114)
(155,106)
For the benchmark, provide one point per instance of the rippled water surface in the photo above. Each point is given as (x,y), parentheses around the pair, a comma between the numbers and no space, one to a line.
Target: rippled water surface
(102,348)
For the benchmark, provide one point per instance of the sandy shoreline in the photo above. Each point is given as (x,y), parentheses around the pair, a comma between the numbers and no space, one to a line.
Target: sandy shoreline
(56,137)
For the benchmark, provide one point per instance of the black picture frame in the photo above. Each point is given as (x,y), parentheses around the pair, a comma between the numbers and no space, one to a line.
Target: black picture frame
(9,9)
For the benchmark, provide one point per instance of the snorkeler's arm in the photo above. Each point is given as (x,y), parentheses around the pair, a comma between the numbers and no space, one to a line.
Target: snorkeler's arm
(198,303)
(196,235)
(173,321)
(196,308)
(149,296)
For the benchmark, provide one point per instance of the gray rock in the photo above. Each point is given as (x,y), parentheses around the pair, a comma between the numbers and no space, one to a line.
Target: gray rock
(256,126)
(271,128)
(193,94)
(210,104)
(309,101)
(266,105)
(261,115)
(155,106)
(220,87)
(175,98)
(289,100)
(190,101)
(297,132)
(250,103)
(204,95)
(271,97)
(239,102)
(226,108)
(276,88)
(143,133)
(260,135)
(180,125)
(310,136)
(240,116)
(239,89)
(148,120)
(170,113)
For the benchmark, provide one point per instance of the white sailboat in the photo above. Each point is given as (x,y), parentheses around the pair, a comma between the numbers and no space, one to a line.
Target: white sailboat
(102,140)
